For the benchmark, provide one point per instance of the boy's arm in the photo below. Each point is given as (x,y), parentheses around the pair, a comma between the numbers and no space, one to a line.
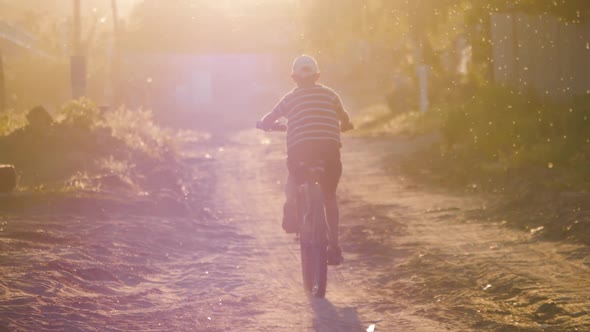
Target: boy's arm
(345,122)
(270,118)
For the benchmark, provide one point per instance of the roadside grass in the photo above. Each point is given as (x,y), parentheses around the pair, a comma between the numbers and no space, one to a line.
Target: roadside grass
(379,120)
(534,155)
(494,137)
(86,150)
(10,121)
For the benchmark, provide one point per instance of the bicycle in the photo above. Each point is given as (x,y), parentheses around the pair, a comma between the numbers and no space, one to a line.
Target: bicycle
(313,232)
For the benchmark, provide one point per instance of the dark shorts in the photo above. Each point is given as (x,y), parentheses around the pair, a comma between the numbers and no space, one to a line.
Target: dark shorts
(311,152)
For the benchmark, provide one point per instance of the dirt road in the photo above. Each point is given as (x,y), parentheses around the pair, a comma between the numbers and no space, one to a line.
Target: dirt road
(415,261)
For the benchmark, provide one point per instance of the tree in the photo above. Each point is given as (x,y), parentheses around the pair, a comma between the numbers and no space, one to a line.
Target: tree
(176,25)
(2,85)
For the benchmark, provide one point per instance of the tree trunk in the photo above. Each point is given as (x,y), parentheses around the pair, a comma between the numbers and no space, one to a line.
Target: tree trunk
(77,29)
(77,60)
(115,96)
(7,178)
(2,85)
(421,67)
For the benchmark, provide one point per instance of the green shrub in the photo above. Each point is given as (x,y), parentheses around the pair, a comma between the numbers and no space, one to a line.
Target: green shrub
(497,121)
(81,113)
(11,121)
(82,140)
(139,131)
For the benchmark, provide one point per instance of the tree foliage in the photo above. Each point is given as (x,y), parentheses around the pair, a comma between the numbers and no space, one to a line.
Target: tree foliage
(203,26)
(575,10)
(326,22)
(178,25)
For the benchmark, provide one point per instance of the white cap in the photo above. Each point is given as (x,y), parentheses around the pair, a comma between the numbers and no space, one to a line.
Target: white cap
(305,66)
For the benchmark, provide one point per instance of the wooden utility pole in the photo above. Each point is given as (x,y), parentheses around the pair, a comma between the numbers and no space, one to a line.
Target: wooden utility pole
(77,60)
(115,18)
(2,85)
(77,30)
(113,90)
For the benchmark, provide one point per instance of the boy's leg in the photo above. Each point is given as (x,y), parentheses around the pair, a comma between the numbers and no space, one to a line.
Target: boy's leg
(330,183)
(332,217)
(290,222)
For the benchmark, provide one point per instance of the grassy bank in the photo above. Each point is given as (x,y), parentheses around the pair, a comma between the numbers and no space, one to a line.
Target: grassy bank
(534,155)
(81,151)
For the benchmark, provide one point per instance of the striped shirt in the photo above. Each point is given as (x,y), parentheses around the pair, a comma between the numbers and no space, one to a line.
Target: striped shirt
(313,115)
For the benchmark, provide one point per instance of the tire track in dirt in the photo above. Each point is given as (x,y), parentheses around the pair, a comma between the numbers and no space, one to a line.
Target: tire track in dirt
(250,191)
(415,261)
(116,273)
(65,267)
(480,274)
(252,197)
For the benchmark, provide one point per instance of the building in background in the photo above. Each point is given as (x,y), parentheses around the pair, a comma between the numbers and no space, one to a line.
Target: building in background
(199,83)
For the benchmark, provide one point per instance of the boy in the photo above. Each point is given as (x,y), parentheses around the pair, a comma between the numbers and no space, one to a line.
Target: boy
(315,118)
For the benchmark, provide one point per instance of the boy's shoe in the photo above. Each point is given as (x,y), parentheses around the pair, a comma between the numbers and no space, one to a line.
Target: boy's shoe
(334,255)
(290,223)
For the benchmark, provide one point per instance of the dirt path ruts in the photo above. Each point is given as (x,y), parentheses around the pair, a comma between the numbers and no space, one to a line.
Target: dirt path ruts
(414,259)
(414,262)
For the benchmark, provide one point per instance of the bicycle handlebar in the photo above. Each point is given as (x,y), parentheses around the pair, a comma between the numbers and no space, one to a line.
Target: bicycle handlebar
(346,127)
(277,126)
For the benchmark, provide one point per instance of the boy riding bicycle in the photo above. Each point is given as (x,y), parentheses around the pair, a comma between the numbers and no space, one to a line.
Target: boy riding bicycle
(315,116)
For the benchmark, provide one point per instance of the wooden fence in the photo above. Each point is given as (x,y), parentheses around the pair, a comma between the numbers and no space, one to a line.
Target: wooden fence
(542,54)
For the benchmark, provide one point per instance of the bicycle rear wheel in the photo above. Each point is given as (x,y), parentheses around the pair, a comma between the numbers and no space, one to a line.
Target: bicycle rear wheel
(314,263)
